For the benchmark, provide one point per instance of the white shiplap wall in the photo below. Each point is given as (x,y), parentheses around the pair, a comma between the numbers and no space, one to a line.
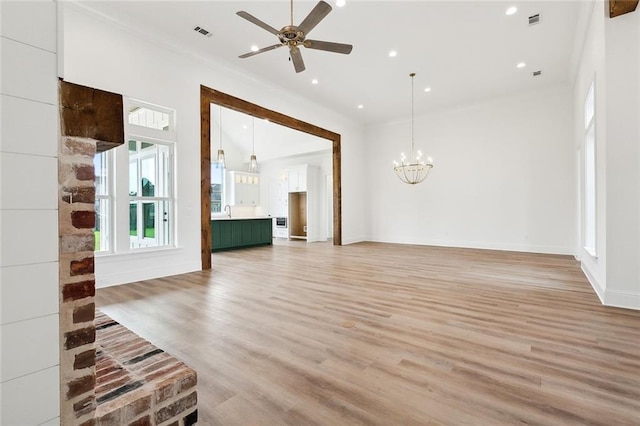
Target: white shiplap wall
(29,325)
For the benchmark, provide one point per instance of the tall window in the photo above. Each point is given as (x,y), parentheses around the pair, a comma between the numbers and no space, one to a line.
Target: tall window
(150,137)
(102,231)
(217,187)
(590,172)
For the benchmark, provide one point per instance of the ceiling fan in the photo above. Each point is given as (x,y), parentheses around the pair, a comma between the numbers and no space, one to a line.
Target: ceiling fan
(295,36)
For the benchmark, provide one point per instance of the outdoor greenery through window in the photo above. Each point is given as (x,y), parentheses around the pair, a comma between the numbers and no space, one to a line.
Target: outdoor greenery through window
(149,194)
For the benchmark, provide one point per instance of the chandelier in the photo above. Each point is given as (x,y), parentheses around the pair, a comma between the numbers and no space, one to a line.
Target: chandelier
(414,169)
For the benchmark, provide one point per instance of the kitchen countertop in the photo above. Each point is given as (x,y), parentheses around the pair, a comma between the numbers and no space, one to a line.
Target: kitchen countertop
(241,218)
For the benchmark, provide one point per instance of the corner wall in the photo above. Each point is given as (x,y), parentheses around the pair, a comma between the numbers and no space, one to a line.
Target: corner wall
(503,176)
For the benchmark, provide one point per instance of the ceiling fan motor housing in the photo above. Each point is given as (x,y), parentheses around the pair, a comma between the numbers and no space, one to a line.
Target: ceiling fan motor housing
(291,35)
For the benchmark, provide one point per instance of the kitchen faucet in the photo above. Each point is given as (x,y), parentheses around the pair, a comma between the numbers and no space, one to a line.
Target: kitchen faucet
(225,210)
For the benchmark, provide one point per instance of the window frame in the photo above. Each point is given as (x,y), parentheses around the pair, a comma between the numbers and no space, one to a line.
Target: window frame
(109,197)
(590,181)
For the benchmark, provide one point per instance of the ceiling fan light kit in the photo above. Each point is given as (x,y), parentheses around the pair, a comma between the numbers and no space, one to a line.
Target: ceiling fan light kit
(294,36)
(414,169)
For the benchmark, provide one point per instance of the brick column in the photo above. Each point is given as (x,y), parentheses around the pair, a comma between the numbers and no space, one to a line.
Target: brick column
(77,282)
(90,120)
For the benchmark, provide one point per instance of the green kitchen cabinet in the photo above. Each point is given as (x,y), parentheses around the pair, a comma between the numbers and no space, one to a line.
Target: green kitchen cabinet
(228,234)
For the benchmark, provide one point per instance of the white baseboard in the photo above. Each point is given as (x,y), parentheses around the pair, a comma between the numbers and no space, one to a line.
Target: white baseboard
(622,299)
(594,283)
(482,245)
(112,278)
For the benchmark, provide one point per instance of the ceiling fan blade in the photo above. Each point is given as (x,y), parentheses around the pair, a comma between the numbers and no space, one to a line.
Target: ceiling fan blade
(318,13)
(249,17)
(264,49)
(296,57)
(328,46)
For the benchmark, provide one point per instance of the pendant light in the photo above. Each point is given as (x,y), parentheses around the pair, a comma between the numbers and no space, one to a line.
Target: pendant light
(413,170)
(253,161)
(220,150)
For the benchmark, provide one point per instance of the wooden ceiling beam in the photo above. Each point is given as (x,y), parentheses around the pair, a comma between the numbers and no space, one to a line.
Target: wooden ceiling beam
(620,7)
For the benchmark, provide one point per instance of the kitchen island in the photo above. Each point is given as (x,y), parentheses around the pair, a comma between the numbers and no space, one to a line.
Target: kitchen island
(229,233)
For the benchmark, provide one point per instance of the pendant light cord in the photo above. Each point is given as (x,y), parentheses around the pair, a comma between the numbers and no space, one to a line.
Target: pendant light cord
(292,13)
(412,75)
(253,136)
(220,127)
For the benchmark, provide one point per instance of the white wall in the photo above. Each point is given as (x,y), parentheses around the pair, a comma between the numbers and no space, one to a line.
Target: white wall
(592,68)
(503,176)
(29,321)
(103,55)
(622,56)
(611,53)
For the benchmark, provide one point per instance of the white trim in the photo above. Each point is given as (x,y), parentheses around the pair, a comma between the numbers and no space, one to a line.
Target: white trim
(533,248)
(622,299)
(599,290)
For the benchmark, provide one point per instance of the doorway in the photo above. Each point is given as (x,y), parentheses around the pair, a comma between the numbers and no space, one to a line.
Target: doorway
(210,96)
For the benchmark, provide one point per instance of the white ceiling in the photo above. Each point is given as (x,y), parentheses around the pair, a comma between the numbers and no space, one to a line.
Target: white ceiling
(465,51)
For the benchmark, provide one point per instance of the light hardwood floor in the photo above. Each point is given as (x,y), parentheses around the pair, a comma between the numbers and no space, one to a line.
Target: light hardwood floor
(307,334)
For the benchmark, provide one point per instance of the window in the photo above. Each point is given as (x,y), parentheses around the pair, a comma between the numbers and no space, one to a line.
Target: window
(217,187)
(150,137)
(134,183)
(102,230)
(149,194)
(590,173)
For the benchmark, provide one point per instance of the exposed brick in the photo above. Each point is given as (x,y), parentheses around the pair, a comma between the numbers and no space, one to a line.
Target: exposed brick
(84,359)
(111,419)
(164,372)
(110,386)
(82,194)
(174,409)
(81,267)
(83,336)
(104,377)
(164,391)
(82,219)
(191,419)
(84,406)
(77,291)
(84,313)
(76,146)
(76,243)
(90,422)
(187,382)
(80,386)
(142,421)
(84,171)
(174,424)
(136,408)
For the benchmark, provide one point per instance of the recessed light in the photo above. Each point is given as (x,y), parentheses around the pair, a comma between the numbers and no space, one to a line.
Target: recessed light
(340,3)
(314,81)
(393,54)
(254,48)
(244,126)
(427,89)
(360,106)
(521,65)
(512,10)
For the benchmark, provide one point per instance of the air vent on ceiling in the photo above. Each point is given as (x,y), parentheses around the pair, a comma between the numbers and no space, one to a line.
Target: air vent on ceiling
(203,31)
(534,19)
(537,73)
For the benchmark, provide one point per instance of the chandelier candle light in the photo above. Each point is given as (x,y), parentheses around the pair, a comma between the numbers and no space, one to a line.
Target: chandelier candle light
(253,161)
(413,170)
